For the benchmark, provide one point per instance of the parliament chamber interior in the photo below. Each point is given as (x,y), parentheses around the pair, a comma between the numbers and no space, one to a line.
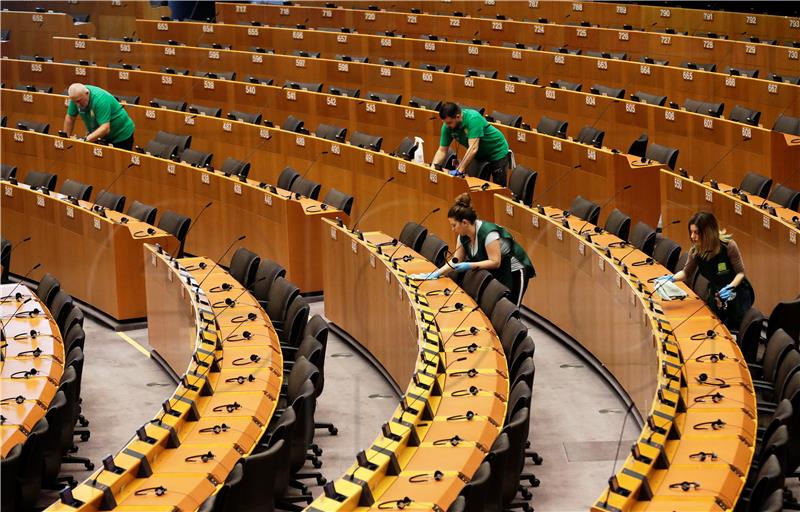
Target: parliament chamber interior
(207,205)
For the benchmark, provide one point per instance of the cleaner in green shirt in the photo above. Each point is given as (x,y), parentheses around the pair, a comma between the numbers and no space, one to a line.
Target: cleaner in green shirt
(102,114)
(484,142)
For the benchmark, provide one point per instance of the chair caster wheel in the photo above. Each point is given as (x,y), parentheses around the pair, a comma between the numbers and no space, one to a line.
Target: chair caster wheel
(526,494)
(85,436)
(333,431)
(89,465)
(321,480)
(527,508)
(317,464)
(538,460)
(535,482)
(73,449)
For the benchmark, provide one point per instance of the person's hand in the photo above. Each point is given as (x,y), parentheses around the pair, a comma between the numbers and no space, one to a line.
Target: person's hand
(462,267)
(425,276)
(726,292)
(662,280)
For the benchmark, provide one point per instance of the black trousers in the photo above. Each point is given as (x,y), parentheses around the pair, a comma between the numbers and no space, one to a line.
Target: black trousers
(124,144)
(498,169)
(519,283)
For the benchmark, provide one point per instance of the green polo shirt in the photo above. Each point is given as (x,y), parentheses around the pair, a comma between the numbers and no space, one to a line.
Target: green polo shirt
(493,145)
(104,108)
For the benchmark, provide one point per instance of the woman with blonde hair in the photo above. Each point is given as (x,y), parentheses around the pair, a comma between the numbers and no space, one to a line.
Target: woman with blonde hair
(717,258)
(485,245)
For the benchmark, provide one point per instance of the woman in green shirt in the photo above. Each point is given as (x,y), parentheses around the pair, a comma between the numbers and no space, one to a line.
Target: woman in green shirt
(102,114)
(485,245)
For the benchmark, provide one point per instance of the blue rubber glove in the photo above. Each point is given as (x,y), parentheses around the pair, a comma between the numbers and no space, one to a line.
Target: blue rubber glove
(726,292)
(425,276)
(664,279)
(462,267)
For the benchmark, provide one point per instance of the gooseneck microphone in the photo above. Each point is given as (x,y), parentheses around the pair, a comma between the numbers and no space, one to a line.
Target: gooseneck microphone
(421,222)
(310,166)
(216,263)
(108,188)
(11,293)
(191,227)
(618,192)
(558,180)
(377,193)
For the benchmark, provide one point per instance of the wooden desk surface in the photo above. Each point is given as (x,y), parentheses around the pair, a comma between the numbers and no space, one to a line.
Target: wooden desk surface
(420,321)
(95,256)
(27,326)
(768,242)
(184,323)
(653,348)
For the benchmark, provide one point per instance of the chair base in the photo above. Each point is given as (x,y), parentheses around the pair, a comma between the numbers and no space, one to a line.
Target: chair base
(332,430)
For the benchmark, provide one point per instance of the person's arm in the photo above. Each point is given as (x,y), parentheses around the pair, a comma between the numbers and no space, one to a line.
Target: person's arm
(494,257)
(458,255)
(69,124)
(99,133)
(736,262)
(441,153)
(472,149)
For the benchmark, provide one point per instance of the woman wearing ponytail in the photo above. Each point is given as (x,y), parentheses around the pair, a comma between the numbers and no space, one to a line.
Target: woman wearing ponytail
(485,245)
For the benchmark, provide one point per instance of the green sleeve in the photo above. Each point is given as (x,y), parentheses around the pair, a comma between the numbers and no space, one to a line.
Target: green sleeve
(72,109)
(102,112)
(446,137)
(475,126)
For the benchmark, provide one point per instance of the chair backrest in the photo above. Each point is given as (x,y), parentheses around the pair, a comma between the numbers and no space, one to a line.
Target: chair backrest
(498,460)
(34,126)
(704,107)
(612,92)
(741,114)
(784,316)
(251,494)
(511,335)
(76,189)
(246,117)
(75,338)
(425,103)
(75,316)
(235,167)
(284,431)
(494,291)
(789,367)
(522,184)
(295,322)
(306,188)
(161,149)
(406,149)
(639,146)
(31,464)
(503,311)
(125,98)
(651,99)
(434,249)
(5,259)
(756,184)
(318,328)
(643,238)
(585,209)
(8,171)
(58,418)
(517,431)
(768,480)
(168,104)
(110,200)
(345,91)
(483,73)
(197,158)
(206,111)
(287,178)
(177,225)
(9,468)
(526,372)
(339,200)
(787,124)
(62,305)
(666,155)
(525,79)
(786,197)
(525,349)
(294,124)
(514,120)
(749,337)
(304,406)
(331,132)
(667,252)
(413,235)
(281,294)
(366,141)
(459,505)
(520,397)
(41,179)
(47,288)
(477,489)
(554,127)
(395,99)
(618,224)
(244,264)
(564,84)
(268,271)
(478,169)
(591,136)
(779,345)
(143,212)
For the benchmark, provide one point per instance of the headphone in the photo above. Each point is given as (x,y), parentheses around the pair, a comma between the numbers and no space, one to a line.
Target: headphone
(685,486)
(235,406)
(203,457)
(241,361)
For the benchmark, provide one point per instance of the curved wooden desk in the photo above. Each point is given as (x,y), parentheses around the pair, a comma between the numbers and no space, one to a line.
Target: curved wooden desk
(95,255)
(702,140)
(184,319)
(608,14)
(764,231)
(420,322)
(26,396)
(634,43)
(657,351)
(283,229)
(771,98)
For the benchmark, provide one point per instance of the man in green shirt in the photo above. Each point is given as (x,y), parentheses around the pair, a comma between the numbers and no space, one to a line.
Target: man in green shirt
(484,142)
(102,114)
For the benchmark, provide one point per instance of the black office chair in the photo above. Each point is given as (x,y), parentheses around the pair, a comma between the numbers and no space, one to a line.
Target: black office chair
(667,252)
(331,132)
(180,106)
(483,73)
(498,460)
(5,260)
(459,505)
(525,79)
(7,172)
(366,141)
(612,92)
(143,212)
(58,417)
(204,110)
(785,197)
(413,235)
(666,155)
(306,188)
(161,150)
(425,103)
(520,397)
(234,167)
(787,124)
(76,189)
(494,291)
(475,282)
(750,73)
(34,126)
(29,477)
(522,184)
(524,350)
(41,179)
(291,328)
(564,84)
(287,178)
(784,316)
(480,110)
(74,317)
(10,468)
(591,136)
(478,169)
(47,288)
(749,336)
(344,91)
(442,68)
(281,294)
(514,120)
(395,99)
(503,312)
(769,480)
(699,65)
(643,237)
(651,99)
(250,494)
(585,209)
(756,184)
(246,117)
(352,58)
(517,431)
(177,225)
(197,158)
(476,491)
(61,306)
(244,265)
(110,200)
(76,336)
(639,146)
(741,114)
(304,86)
(260,80)
(554,127)
(293,124)
(181,141)
(434,249)
(172,71)
(339,200)
(511,335)
(618,224)
(406,149)
(393,62)
(704,107)
(268,271)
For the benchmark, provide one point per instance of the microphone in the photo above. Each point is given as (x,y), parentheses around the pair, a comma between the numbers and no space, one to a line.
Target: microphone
(421,222)
(391,178)
(10,318)
(612,480)
(108,188)
(193,224)
(313,162)
(11,293)
(618,192)
(558,180)
(220,258)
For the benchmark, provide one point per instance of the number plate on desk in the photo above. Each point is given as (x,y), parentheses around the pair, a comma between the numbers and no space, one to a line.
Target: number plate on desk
(765,221)
(601,263)
(560,234)
(619,281)
(372,260)
(205,178)
(793,237)
(354,246)
(9,191)
(333,233)
(510,210)
(581,249)
(70,212)
(237,188)
(267,199)
(97,224)
(709,196)
(737,207)
(535,221)
(40,201)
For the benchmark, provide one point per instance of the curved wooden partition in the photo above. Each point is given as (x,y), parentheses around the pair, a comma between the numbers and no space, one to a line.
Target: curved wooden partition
(634,43)
(188,313)
(29,379)
(733,148)
(95,255)
(767,234)
(412,334)
(599,293)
